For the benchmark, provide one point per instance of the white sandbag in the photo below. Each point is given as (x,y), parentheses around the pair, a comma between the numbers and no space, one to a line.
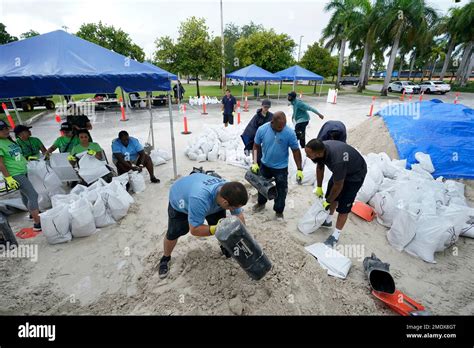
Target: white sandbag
(313,218)
(367,191)
(375,173)
(78,189)
(116,206)
(425,161)
(468,229)
(202,158)
(92,169)
(82,218)
(403,229)
(385,207)
(459,216)
(91,196)
(137,182)
(417,168)
(102,217)
(99,183)
(55,224)
(164,154)
(432,234)
(121,192)
(45,182)
(455,192)
(58,200)
(44,201)
(156,159)
(336,264)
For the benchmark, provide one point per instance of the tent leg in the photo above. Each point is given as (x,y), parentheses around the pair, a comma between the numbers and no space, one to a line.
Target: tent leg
(16,111)
(151,123)
(294,82)
(173,149)
(242,96)
(321,88)
(279,91)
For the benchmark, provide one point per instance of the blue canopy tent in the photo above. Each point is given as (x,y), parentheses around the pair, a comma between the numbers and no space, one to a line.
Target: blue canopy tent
(64,64)
(296,73)
(252,73)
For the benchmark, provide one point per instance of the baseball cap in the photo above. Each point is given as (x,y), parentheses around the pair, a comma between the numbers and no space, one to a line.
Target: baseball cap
(20,128)
(66,127)
(3,124)
(266,102)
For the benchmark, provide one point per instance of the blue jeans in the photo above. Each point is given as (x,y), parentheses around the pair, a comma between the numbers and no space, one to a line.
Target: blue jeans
(281,181)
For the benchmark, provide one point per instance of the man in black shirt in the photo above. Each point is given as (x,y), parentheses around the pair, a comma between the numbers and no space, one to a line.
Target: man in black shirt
(348,173)
(77,120)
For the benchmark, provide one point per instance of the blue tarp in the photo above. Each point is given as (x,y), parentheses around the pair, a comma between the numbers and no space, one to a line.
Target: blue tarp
(444,131)
(62,63)
(298,73)
(253,73)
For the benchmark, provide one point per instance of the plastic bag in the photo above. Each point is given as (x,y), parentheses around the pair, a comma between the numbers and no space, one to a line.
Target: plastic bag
(137,182)
(45,182)
(425,161)
(122,179)
(102,216)
(385,207)
(313,218)
(58,200)
(117,207)
(82,218)
(164,154)
(367,191)
(55,224)
(92,169)
(403,229)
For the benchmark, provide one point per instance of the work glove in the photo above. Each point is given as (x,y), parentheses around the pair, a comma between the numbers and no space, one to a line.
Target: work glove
(255,168)
(233,114)
(212,229)
(326,205)
(319,192)
(12,184)
(91,152)
(32,158)
(299,176)
(47,156)
(71,158)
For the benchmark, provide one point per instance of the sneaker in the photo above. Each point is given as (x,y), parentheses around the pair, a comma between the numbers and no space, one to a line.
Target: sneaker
(164,268)
(155,180)
(327,224)
(331,241)
(37,227)
(258,208)
(225,252)
(279,216)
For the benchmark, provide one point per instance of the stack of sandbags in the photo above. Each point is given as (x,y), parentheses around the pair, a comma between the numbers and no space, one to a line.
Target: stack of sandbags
(160,157)
(219,143)
(424,215)
(45,181)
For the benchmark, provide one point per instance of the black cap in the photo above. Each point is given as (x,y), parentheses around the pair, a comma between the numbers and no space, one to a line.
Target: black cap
(66,127)
(266,102)
(3,124)
(20,128)
(292,95)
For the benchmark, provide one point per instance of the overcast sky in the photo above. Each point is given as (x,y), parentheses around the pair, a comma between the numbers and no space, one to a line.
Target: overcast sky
(145,20)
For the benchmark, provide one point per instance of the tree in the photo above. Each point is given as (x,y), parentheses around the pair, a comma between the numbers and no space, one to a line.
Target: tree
(250,29)
(465,26)
(399,16)
(29,33)
(267,49)
(111,38)
(165,55)
(5,37)
(338,29)
(319,60)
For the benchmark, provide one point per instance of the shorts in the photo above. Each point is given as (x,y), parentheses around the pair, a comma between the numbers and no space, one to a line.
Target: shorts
(178,224)
(347,196)
(229,118)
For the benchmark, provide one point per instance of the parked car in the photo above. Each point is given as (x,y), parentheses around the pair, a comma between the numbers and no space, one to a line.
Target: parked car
(350,80)
(28,104)
(235,82)
(435,87)
(407,86)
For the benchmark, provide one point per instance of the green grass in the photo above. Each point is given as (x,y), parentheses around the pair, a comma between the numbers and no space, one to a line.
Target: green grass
(468,89)
(23,115)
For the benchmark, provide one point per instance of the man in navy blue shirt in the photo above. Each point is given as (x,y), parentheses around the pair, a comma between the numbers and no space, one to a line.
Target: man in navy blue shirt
(194,199)
(274,139)
(228,107)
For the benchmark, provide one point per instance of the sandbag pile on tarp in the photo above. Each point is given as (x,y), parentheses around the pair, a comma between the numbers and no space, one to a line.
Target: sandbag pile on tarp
(442,130)
(219,143)
(85,209)
(424,215)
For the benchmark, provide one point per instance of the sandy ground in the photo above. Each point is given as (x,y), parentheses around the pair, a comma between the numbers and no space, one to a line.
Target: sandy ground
(115,270)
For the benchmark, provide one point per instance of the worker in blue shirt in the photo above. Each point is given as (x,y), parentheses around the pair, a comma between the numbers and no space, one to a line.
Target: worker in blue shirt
(228,107)
(301,116)
(274,139)
(193,199)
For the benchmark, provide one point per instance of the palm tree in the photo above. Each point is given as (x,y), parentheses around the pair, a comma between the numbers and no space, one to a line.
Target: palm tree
(464,26)
(449,27)
(401,15)
(338,29)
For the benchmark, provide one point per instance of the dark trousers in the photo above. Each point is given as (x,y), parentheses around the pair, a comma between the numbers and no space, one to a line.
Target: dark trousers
(300,130)
(281,181)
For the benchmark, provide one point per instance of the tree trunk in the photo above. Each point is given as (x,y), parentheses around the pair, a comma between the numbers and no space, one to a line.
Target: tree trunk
(391,62)
(367,71)
(265,89)
(363,67)
(452,77)
(197,87)
(467,72)
(433,69)
(462,66)
(342,48)
(412,64)
(401,66)
(451,45)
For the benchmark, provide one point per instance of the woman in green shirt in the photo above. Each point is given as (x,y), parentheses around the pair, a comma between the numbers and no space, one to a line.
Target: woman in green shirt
(85,145)
(14,170)
(66,142)
(30,146)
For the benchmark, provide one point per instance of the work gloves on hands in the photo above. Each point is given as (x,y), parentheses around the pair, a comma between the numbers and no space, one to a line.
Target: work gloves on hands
(12,184)
(319,192)
(32,158)
(299,176)
(212,229)
(326,205)
(255,168)
(91,152)
(71,158)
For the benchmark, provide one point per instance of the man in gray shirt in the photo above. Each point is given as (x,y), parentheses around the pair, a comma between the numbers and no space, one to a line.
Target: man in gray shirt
(348,173)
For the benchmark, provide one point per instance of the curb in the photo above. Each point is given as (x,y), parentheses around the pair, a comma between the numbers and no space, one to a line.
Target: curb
(35,118)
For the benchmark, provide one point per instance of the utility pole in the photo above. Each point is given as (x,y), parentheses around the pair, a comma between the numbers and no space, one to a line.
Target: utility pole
(65,28)
(299,49)
(222,50)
